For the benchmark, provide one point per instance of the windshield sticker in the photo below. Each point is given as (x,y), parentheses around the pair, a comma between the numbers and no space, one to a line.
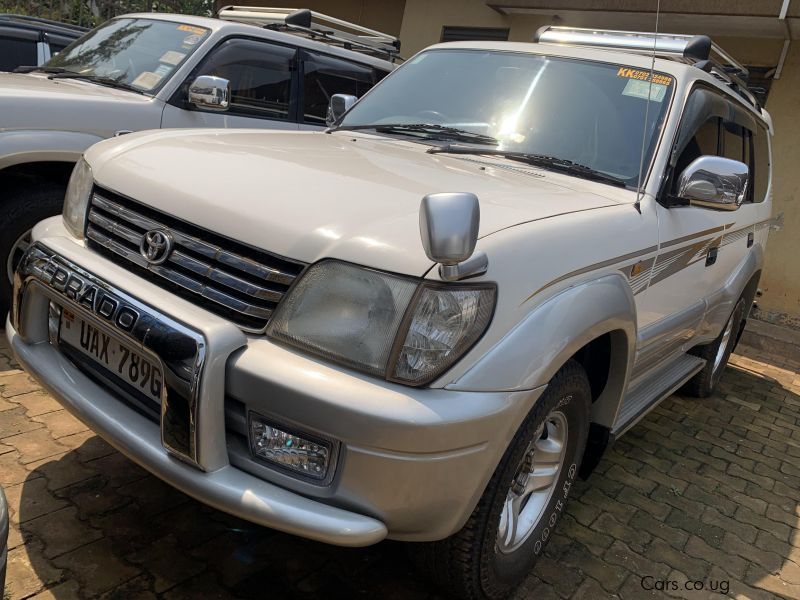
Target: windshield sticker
(644,76)
(164,70)
(147,80)
(196,30)
(192,40)
(640,89)
(172,58)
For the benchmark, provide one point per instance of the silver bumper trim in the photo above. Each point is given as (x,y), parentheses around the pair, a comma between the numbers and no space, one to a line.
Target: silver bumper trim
(227,489)
(181,350)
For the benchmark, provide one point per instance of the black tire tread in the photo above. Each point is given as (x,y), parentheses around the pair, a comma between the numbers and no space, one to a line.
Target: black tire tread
(702,384)
(453,564)
(21,208)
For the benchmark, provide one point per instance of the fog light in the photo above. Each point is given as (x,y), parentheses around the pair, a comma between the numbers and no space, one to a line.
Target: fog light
(300,455)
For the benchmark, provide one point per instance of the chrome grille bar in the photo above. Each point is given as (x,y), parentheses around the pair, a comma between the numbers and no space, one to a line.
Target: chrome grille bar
(235,286)
(196,245)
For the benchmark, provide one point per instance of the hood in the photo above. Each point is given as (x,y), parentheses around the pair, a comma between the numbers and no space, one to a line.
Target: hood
(32,101)
(311,195)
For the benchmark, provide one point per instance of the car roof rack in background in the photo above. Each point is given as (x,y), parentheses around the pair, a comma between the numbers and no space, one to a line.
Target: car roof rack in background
(316,26)
(38,21)
(697,50)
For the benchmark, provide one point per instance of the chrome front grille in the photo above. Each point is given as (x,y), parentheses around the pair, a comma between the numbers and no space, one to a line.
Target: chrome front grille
(233,280)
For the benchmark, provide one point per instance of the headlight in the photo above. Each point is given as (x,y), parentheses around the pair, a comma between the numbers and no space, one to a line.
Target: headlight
(76,200)
(398,328)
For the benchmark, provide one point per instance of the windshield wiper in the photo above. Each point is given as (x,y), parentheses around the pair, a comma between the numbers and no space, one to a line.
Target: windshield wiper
(97,79)
(561,165)
(42,68)
(440,131)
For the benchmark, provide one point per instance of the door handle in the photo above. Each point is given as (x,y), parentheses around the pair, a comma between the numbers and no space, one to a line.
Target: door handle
(711,257)
(750,239)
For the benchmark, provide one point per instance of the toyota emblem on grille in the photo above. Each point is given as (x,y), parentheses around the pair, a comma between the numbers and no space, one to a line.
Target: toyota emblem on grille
(156,246)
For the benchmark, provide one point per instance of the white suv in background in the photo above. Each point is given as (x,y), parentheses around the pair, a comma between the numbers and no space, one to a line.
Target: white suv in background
(255,67)
(425,322)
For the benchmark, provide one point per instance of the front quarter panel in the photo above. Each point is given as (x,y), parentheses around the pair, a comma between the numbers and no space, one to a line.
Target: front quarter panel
(25,146)
(562,282)
(531,353)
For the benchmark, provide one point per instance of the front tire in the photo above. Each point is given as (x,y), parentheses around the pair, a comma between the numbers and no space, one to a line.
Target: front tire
(517,513)
(19,212)
(716,355)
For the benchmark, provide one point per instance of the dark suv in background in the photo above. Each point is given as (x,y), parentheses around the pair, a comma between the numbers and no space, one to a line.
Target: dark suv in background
(30,41)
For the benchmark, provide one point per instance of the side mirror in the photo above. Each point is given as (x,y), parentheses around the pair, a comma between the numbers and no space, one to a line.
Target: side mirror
(211,93)
(714,182)
(338,105)
(448,226)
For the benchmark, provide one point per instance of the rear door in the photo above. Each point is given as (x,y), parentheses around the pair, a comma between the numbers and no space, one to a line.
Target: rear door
(264,83)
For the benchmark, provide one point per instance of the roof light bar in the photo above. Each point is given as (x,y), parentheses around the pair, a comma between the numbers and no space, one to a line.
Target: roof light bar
(692,48)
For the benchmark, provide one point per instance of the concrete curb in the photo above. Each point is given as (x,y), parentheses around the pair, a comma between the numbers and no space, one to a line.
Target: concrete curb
(773,339)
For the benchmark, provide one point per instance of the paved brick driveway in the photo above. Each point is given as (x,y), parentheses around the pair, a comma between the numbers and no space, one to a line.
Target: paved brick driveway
(705,491)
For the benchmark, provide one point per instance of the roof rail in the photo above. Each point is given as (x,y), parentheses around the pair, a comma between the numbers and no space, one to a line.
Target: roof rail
(317,26)
(42,21)
(696,50)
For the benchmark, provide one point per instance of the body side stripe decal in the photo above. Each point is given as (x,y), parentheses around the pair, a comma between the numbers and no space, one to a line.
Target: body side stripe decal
(594,267)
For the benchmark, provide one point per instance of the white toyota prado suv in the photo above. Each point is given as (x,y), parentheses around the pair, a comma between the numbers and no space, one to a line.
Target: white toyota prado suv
(425,322)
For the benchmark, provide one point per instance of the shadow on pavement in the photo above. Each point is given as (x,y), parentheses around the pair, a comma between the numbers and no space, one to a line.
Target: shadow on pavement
(122,531)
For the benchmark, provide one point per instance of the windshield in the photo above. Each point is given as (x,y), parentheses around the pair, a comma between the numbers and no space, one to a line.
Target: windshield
(142,53)
(589,113)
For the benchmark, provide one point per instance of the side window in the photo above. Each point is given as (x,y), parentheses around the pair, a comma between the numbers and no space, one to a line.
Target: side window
(735,139)
(760,164)
(717,136)
(324,76)
(705,141)
(16,52)
(260,74)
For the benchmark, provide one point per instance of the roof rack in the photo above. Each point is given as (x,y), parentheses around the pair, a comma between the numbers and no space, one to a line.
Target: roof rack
(697,50)
(316,26)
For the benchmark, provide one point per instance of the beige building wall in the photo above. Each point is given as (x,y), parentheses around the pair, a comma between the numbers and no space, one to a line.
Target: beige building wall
(423,20)
(781,280)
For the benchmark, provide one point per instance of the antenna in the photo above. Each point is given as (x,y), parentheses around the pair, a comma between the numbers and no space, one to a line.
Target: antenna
(639,191)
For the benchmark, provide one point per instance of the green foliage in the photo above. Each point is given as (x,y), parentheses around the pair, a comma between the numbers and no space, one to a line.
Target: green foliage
(91,13)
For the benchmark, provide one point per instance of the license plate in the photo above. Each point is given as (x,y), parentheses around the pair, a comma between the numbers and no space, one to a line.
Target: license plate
(113,354)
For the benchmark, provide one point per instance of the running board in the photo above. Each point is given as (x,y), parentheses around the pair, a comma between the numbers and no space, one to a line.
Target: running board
(652,391)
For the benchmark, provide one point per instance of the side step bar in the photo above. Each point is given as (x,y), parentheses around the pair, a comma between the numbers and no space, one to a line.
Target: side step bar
(652,391)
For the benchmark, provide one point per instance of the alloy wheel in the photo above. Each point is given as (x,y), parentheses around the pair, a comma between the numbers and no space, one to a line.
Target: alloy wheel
(534,483)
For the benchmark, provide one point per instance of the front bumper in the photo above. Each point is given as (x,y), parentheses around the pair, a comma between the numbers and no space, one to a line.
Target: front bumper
(227,488)
(412,463)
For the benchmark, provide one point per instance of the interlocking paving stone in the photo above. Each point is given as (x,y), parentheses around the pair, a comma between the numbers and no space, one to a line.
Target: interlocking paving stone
(37,403)
(61,530)
(97,567)
(700,490)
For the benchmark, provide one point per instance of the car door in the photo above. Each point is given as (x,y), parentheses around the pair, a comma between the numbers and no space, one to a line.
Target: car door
(324,75)
(699,248)
(263,81)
